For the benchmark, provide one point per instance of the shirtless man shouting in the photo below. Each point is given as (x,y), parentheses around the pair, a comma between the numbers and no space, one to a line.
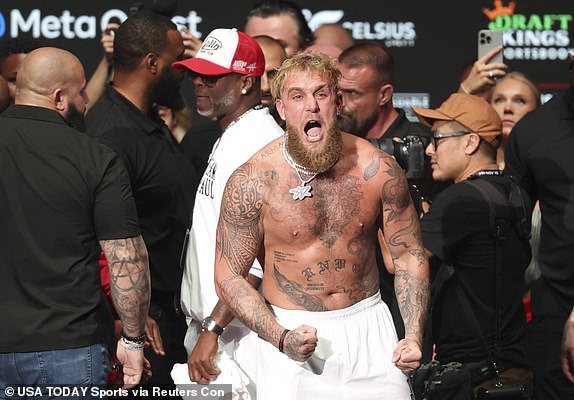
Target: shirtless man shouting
(310,204)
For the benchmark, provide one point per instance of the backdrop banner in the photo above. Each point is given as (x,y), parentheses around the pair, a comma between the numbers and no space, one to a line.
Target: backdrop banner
(432,42)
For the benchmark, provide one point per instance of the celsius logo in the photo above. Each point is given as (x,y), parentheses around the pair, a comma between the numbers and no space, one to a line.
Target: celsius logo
(2,25)
(392,34)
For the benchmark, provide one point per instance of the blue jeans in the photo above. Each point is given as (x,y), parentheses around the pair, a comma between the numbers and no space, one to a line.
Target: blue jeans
(79,367)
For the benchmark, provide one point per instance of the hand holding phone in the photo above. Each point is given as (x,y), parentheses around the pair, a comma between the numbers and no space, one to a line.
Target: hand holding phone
(489,67)
(488,41)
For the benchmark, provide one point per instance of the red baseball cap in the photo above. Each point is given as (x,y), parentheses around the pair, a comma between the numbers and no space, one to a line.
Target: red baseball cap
(224,51)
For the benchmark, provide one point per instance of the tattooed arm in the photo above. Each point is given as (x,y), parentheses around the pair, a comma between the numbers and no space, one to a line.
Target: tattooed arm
(402,233)
(130,290)
(239,237)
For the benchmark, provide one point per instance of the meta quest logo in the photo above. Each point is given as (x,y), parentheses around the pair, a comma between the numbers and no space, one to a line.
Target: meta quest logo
(70,26)
(2,25)
(530,36)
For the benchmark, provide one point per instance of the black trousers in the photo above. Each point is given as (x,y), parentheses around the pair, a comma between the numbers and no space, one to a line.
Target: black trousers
(549,314)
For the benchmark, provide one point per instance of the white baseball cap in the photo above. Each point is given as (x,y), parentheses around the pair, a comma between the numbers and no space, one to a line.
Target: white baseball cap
(224,51)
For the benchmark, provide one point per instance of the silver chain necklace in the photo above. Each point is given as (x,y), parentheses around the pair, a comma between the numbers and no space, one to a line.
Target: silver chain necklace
(303,190)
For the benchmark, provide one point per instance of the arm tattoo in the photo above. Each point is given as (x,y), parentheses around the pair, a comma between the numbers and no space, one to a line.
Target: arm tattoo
(395,192)
(249,307)
(413,299)
(129,281)
(398,238)
(420,256)
(239,232)
(296,293)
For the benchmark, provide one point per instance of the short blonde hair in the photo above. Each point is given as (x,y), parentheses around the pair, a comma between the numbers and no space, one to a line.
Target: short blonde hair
(306,62)
(522,77)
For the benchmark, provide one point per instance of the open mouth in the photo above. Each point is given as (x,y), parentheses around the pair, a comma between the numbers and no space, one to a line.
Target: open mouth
(313,130)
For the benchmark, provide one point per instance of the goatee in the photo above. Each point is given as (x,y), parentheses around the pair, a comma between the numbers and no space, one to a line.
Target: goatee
(318,159)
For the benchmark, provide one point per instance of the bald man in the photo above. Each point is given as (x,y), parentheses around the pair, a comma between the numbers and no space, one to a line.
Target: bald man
(63,196)
(4,94)
(333,35)
(274,54)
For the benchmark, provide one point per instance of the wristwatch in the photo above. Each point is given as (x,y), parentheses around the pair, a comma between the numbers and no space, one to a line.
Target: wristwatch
(209,325)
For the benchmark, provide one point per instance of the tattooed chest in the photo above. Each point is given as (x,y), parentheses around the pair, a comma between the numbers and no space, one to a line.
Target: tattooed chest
(333,211)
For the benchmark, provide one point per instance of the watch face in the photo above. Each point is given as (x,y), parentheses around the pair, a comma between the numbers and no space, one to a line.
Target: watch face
(207,323)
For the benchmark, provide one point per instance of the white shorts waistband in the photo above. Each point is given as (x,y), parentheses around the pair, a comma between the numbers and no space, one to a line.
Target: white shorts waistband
(331,315)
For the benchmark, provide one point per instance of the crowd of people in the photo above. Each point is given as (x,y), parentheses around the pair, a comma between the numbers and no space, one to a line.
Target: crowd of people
(264,236)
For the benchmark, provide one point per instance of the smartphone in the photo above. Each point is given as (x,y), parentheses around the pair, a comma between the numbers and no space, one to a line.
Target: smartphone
(488,40)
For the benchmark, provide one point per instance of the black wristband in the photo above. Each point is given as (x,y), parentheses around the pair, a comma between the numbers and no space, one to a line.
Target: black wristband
(136,339)
(282,339)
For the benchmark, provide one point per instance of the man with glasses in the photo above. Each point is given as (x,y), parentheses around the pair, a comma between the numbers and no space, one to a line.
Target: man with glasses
(457,231)
(226,73)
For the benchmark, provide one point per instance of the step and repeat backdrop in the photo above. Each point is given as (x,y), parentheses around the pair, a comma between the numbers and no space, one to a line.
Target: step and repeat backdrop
(432,42)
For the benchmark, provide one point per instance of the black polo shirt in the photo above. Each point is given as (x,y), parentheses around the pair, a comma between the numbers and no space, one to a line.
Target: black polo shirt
(163,181)
(60,192)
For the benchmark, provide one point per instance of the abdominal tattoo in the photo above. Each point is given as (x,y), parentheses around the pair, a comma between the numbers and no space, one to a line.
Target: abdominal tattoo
(296,293)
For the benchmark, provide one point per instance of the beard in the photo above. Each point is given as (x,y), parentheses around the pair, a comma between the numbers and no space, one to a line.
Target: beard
(315,160)
(167,91)
(75,118)
(347,122)
(223,103)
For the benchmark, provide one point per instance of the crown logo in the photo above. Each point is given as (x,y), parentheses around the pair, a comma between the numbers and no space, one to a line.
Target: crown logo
(499,9)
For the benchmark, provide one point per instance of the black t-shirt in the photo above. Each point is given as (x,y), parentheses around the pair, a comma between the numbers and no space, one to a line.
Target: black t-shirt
(163,181)
(539,154)
(457,230)
(60,192)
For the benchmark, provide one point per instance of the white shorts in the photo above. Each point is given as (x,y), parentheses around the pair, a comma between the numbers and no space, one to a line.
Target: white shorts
(353,358)
(235,358)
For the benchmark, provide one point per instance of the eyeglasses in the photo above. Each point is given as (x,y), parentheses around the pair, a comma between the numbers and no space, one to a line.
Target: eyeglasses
(436,136)
(208,80)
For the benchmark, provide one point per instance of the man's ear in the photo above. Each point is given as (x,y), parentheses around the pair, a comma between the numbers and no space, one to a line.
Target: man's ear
(247,84)
(60,101)
(152,62)
(472,143)
(386,94)
(280,109)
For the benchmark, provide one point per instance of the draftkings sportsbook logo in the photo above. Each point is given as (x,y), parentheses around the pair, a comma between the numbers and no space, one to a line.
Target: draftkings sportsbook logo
(530,36)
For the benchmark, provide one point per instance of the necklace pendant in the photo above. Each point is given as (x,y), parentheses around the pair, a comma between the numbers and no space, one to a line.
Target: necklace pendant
(300,192)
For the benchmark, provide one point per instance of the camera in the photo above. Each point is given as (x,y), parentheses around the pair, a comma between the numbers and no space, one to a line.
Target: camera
(409,152)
